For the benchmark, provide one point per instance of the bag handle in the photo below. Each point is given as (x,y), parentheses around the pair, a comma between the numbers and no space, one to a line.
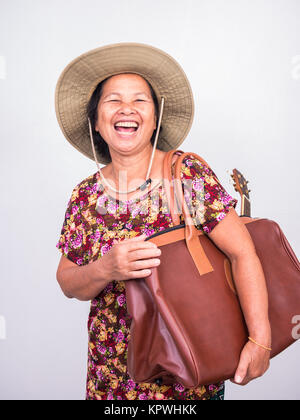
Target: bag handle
(191,234)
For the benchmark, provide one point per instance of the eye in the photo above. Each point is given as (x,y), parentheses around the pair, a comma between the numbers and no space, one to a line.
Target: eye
(140,100)
(114,100)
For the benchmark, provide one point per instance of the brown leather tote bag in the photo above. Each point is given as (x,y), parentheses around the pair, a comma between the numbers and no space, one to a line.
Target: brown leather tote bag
(187,323)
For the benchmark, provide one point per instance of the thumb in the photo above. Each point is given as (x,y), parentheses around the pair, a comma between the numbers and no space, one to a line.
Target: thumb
(241,371)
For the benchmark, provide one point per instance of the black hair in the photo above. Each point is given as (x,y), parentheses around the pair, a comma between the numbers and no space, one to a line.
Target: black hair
(100,144)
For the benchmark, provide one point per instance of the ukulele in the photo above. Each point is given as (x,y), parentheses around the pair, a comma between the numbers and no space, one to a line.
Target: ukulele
(240,185)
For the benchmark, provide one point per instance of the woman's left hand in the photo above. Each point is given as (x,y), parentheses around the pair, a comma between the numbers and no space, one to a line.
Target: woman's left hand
(254,362)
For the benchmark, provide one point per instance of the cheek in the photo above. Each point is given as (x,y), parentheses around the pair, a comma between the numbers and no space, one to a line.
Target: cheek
(103,122)
(149,120)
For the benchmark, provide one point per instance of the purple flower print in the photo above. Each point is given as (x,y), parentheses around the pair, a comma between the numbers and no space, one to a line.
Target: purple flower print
(121,299)
(75,209)
(104,249)
(188,162)
(220,216)
(120,335)
(179,387)
(198,185)
(101,349)
(143,396)
(130,385)
(94,188)
(77,242)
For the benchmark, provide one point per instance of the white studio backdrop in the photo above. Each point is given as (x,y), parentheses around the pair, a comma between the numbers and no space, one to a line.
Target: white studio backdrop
(242,58)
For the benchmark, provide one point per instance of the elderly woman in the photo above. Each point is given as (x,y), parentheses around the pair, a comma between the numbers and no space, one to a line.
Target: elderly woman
(107,104)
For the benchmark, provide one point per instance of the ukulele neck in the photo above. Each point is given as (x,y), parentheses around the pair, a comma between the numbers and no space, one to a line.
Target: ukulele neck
(245,206)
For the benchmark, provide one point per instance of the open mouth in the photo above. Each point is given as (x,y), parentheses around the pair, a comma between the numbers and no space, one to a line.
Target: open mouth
(127,128)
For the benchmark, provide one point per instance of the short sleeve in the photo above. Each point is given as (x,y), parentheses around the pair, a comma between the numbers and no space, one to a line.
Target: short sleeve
(207,199)
(72,238)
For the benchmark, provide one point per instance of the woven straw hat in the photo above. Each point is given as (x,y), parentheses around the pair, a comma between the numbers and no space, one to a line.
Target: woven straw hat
(81,76)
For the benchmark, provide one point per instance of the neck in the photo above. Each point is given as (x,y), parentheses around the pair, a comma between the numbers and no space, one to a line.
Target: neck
(130,171)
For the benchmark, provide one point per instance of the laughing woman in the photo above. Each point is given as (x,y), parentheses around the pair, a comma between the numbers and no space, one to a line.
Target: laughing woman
(115,104)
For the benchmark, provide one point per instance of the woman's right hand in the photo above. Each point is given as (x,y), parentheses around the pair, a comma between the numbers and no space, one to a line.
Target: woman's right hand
(131,258)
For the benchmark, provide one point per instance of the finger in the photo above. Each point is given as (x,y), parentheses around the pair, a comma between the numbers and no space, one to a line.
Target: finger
(135,245)
(143,253)
(139,274)
(144,264)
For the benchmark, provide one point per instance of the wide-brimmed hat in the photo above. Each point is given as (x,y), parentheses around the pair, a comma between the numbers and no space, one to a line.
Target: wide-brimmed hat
(79,79)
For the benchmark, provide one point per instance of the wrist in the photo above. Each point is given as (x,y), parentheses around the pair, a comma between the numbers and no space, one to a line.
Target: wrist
(262,334)
(102,273)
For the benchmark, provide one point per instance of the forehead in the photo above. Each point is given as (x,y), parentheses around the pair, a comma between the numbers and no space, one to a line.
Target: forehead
(126,81)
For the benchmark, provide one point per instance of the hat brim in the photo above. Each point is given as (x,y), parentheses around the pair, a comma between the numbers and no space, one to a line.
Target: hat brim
(80,78)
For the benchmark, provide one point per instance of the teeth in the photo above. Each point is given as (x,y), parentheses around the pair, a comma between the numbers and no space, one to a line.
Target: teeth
(126,124)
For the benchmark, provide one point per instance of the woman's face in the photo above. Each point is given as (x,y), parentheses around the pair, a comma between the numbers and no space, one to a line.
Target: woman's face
(126,113)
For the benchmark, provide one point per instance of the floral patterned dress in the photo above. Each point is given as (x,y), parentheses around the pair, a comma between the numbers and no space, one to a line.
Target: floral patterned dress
(88,233)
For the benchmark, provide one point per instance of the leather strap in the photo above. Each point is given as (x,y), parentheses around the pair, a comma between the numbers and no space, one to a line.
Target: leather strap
(191,233)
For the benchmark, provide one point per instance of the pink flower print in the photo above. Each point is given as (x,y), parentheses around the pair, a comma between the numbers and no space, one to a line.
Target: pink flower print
(143,396)
(94,188)
(207,196)
(206,229)
(77,242)
(111,207)
(148,232)
(179,387)
(121,299)
(130,385)
(226,199)
(101,349)
(198,185)
(120,335)
(104,249)
(75,209)
(101,200)
(220,216)
(188,162)
(96,236)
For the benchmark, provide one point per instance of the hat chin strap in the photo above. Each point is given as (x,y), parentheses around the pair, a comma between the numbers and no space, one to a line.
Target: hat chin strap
(148,180)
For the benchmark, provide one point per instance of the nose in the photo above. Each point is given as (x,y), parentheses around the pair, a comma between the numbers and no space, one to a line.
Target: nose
(126,108)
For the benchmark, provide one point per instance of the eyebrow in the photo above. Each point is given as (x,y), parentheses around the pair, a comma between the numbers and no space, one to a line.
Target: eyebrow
(117,93)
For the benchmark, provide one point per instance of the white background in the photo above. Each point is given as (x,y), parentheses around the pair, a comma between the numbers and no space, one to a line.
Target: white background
(243,61)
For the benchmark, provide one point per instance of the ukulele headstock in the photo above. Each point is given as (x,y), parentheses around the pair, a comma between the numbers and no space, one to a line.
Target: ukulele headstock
(240,183)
